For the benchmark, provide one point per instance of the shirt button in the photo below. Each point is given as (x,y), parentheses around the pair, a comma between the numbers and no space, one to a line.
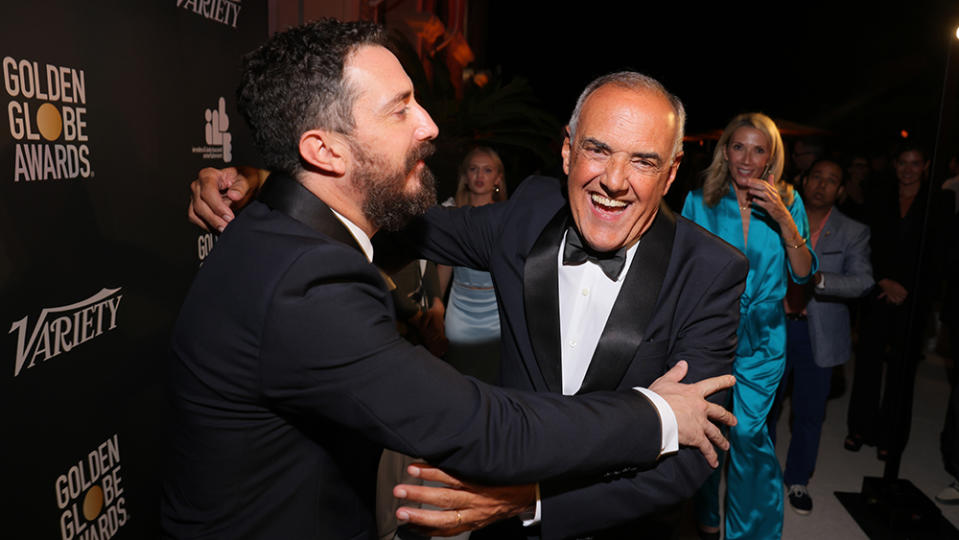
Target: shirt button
(585,292)
(572,343)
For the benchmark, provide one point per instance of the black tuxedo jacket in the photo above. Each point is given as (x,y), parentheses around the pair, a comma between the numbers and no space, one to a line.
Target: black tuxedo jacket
(287,376)
(679,301)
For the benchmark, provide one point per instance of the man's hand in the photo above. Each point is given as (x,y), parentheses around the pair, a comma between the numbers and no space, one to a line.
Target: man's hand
(431,328)
(463,506)
(216,192)
(693,412)
(892,291)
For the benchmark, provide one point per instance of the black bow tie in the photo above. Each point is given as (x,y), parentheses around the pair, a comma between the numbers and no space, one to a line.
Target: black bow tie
(575,253)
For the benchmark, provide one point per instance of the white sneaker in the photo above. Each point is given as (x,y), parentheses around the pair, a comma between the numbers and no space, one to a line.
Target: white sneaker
(949,494)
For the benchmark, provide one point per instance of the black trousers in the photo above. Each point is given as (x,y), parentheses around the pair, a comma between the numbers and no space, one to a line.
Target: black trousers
(880,409)
(949,439)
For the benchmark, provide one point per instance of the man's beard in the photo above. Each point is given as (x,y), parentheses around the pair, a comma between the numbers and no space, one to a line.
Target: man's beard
(386,202)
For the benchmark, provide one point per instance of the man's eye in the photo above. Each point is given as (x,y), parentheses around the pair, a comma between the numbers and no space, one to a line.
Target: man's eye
(594,150)
(402,112)
(644,165)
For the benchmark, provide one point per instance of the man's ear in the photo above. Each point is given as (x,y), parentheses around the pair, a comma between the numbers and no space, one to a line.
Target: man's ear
(325,151)
(673,168)
(566,152)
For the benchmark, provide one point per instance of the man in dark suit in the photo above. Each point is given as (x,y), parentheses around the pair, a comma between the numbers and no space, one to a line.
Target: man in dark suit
(287,374)
(568,328)
(818,329)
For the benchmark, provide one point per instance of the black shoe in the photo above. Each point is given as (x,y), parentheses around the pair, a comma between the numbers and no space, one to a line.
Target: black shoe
(799,500)
(853,442)
(704,535)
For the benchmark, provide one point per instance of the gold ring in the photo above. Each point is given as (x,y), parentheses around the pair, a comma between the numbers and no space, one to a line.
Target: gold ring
(459,518)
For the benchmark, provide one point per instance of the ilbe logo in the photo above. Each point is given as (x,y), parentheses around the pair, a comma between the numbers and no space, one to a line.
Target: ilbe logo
(219,142)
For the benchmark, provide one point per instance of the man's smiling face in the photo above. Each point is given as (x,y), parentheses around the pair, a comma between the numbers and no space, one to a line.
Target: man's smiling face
(620,163)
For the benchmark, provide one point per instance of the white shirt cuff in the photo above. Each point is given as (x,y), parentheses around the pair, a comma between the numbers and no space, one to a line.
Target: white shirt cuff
(670,428)
(534,517)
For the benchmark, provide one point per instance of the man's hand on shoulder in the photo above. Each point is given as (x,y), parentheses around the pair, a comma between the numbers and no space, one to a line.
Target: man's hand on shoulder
(693,413)
(216,192)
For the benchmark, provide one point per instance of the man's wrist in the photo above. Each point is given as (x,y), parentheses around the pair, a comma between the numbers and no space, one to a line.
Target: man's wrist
(669,427)
(534,513)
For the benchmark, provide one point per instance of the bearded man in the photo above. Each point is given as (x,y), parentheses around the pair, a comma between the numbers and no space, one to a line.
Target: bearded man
(287,375)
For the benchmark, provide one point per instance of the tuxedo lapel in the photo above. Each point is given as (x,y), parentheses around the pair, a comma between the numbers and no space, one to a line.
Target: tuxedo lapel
(626,327)
(286,195)
(540,295)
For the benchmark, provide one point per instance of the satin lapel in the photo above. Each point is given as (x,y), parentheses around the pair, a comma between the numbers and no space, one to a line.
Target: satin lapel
(286,195)
(626,327)
(540,295)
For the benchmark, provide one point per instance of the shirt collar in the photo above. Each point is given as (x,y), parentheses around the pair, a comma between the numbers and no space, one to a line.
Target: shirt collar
(358,234)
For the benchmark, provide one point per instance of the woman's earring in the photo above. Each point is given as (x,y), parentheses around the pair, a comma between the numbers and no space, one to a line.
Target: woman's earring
(496,189)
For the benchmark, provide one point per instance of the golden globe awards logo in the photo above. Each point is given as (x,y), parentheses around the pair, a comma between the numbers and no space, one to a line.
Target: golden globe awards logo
(90,495)
(204,246)
(47,116)
(219,142)
(222,11)
(58,330)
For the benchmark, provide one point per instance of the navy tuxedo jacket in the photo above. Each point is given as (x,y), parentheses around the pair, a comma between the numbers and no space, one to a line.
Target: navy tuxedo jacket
(679,301)
(287,377)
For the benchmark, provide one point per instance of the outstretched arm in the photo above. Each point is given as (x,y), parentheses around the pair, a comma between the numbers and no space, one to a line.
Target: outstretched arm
(464,506)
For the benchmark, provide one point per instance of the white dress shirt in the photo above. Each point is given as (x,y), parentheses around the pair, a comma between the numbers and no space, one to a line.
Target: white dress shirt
(358,234)
(586,298)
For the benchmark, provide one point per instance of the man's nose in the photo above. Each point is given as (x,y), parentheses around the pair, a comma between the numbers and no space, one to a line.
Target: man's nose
(427,129)
(618,168)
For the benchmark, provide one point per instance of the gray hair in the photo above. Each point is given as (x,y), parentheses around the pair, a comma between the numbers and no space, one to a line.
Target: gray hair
(634,81)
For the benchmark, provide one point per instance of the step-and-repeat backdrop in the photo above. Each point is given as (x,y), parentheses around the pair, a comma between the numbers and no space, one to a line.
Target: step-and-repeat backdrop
(110,109)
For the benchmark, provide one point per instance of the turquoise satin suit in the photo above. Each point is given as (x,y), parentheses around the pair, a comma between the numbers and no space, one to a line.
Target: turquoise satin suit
(754,492)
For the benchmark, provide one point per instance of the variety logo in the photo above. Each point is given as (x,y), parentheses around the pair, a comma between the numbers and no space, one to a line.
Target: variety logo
(58,330)
(47,115)
(90,495)
(221,11)
(219,142)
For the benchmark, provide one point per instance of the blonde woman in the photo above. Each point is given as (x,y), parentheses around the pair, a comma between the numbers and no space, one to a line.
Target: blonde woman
(745,201)
(472,315)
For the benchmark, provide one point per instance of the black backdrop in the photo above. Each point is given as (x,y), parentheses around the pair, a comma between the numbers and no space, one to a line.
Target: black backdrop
(111,107)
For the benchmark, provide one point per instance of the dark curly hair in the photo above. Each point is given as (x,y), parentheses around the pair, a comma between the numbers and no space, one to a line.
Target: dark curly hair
(294,83)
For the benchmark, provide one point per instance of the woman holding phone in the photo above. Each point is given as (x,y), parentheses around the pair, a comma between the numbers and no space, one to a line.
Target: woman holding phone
(745,202)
